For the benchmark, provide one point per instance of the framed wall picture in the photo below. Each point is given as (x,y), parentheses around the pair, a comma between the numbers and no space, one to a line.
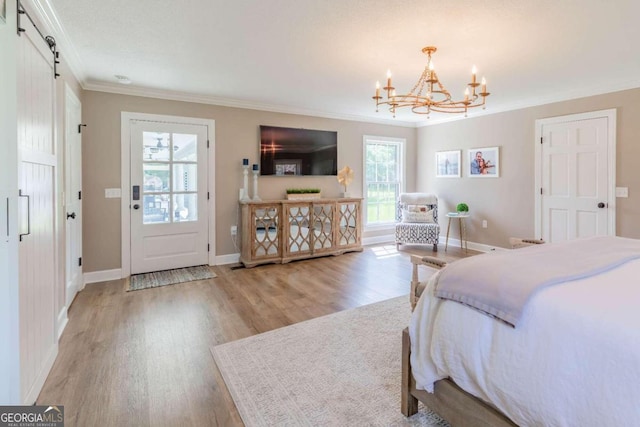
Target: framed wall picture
(448,164)
(3,11)
(484,162)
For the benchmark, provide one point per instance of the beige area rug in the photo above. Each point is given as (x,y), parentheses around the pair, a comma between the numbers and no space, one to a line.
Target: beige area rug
(337,370)
(169,277)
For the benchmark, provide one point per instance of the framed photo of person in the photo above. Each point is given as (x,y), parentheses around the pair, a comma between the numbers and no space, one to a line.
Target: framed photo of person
(484,162)
(448,164)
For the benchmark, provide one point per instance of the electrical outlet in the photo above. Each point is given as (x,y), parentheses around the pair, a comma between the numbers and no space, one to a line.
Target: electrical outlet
(484,223)
(234,230)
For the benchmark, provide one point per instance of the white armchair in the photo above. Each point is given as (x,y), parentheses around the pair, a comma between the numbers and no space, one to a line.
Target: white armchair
(417,215)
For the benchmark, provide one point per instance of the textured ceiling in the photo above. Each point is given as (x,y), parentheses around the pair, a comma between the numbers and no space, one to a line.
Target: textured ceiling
(324,56)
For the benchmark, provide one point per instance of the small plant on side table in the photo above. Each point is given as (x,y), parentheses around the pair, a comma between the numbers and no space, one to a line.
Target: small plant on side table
(462,208)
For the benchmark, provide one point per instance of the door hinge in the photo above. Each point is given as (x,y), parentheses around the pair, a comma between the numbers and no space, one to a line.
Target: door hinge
(79,195)
(540,140)
(207,195)
(80,126)
(207,143)
(80,262)
(540,190)
(208,247)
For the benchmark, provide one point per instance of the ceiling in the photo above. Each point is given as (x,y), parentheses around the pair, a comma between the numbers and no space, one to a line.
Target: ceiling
(323,57)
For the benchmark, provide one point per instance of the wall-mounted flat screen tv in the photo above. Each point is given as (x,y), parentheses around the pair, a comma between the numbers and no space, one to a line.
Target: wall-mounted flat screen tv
(290,152)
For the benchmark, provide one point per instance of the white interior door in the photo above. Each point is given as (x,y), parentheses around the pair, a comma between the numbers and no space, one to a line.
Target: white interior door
(168,210)
(73,195)
(37,211)
(576,178)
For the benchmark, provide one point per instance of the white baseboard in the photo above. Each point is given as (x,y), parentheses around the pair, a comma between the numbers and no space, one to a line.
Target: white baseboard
(376,240)
(227,259)
(102,276)
(62,321)
(480,247)
(391,238)
(32,395)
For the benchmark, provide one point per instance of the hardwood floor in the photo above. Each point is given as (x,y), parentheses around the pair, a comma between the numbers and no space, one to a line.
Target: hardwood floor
(142,358)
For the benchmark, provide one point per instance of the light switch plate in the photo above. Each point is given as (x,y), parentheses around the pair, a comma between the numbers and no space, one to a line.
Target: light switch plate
(622,191)
(112,193)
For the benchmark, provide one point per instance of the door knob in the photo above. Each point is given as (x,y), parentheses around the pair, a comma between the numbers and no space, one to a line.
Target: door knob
(136,206)
(71,215)
(601,205)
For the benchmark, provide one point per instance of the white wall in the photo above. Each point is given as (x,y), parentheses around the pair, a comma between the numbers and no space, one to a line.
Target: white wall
(9,329)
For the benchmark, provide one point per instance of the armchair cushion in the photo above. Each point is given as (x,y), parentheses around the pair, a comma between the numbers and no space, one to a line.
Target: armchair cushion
(425,216)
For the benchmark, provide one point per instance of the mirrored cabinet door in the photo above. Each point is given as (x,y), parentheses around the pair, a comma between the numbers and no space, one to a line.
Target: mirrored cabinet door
(296,232)
(349,219)
(323,233)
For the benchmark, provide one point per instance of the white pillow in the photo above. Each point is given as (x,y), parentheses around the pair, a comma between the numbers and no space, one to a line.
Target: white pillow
(417,216)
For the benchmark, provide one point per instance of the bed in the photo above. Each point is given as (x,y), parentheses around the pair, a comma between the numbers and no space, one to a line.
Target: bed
(573,359)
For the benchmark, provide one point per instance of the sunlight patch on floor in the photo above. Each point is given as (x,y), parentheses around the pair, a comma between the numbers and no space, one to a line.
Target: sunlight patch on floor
(385,251)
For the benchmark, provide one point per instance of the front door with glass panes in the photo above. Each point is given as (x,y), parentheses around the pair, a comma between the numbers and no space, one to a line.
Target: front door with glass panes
(168,196)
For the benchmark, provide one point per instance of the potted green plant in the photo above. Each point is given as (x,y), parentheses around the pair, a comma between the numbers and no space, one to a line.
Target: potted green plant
(462,208)
(303,193)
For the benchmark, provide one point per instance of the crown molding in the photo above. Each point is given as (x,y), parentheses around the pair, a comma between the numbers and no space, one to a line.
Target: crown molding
(48,17)
(234,103)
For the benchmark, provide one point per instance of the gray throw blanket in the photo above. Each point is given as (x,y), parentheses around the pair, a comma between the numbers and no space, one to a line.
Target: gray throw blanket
(501,283)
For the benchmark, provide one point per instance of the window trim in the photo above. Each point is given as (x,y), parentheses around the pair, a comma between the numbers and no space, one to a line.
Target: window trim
(400,142)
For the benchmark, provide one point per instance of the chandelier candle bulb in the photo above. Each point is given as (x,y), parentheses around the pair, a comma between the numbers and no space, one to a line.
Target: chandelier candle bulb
(388,80)
(474,71)
(377,89)
(484,86)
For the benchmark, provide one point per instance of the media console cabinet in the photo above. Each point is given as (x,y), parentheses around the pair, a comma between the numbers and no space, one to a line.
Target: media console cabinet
(279,231)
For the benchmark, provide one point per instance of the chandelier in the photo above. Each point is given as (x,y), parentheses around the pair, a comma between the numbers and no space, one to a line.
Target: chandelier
(429,94)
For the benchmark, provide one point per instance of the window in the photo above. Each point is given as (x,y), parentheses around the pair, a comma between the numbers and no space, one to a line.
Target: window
(384,178)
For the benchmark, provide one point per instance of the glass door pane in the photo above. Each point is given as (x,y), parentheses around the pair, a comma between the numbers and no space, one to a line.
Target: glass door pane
(170,169)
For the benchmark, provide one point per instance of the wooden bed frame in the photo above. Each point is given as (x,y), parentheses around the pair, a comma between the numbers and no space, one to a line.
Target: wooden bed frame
(448,400)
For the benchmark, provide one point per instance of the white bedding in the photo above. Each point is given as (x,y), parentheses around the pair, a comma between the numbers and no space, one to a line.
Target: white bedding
(574,359)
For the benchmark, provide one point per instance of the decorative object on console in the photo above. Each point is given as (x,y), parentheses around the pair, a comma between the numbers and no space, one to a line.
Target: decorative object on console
(429,94)
(303,193)
(256,171)
(345,176)
(244,192)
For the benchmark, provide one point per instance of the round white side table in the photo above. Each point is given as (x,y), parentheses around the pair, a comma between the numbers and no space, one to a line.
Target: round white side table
(463,231)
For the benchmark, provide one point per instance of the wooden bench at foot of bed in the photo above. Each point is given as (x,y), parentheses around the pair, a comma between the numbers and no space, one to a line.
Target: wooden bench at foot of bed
(455,405)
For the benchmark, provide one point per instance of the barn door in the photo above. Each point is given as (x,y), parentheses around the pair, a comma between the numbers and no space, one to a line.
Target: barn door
(37,160)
